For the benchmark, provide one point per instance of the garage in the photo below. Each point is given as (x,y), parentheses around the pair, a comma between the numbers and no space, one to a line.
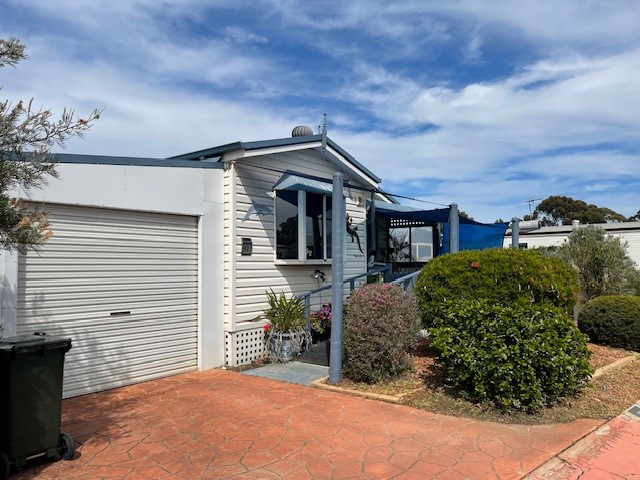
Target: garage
(123,285)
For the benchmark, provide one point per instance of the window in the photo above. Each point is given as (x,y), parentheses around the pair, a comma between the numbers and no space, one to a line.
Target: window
(303,225)
(410,244)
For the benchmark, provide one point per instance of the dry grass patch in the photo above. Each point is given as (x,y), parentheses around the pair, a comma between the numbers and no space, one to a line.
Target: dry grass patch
(425,388)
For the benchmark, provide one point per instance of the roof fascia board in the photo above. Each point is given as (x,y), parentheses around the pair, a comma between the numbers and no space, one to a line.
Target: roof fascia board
(238,150)
(385,197)
(283,149)
(71,158)
(247,146)
(209,152)
(232,155)
(352,160)
(344,164)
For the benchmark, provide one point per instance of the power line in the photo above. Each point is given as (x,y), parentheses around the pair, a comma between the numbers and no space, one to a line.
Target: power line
(346,185)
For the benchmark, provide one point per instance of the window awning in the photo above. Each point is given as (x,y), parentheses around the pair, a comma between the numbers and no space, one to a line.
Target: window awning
(289,181)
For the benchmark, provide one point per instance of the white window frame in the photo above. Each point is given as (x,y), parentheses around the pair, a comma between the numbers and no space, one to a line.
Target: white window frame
(302,233)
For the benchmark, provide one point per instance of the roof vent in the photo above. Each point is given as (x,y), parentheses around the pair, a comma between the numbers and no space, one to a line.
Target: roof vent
(301,131)
(575,223)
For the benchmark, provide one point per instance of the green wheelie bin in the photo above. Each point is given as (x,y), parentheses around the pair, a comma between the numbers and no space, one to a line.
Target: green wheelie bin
(31,369)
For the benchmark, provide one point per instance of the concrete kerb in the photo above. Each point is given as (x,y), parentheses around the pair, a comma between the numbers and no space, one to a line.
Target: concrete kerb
(616,364)
(322,383)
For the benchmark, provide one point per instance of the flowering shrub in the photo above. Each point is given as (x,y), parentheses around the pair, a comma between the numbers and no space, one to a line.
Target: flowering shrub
(381,325)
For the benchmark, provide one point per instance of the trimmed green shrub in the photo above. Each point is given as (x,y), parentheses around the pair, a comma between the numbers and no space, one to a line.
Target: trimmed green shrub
(612,321)
(519,357)
(381,325)
(506,276)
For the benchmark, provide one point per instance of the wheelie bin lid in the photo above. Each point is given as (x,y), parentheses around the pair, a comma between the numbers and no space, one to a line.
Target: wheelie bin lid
(34,342)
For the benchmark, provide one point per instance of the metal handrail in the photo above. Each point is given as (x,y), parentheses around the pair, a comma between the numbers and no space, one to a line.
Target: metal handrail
(385,270)
(407,281)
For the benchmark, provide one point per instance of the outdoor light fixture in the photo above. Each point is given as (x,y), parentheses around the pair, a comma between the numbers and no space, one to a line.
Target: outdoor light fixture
(320,275)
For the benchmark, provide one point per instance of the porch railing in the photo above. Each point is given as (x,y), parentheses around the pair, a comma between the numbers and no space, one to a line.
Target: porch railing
(385,271)
(407,282)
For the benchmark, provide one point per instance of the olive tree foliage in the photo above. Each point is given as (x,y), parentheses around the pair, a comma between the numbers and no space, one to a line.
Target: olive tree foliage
(603,264)
(27,134)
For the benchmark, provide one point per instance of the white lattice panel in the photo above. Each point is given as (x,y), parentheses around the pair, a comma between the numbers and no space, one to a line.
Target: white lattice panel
(244,346)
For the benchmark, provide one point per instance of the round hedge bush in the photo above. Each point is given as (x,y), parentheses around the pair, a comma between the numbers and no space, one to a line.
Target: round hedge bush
(519,357)
(612,320)
(381,325)
(506,276)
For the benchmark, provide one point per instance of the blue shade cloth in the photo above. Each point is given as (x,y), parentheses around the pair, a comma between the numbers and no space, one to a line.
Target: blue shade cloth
(473,235)
(476,236)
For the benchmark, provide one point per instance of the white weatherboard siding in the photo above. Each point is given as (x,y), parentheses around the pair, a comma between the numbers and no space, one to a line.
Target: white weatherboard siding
(633,239)
(123,285)
(229,248)
(554,236)
(258,272)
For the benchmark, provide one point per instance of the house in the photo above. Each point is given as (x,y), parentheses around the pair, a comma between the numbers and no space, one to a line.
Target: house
(531,235)
(160,266)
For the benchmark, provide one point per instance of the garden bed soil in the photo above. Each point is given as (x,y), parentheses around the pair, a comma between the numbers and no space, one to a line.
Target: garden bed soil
(425,388)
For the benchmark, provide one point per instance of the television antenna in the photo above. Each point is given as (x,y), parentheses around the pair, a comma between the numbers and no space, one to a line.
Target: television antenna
(531,201)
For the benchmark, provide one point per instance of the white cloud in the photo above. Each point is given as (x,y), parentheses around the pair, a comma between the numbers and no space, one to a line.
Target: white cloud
(472,52)
(240,35)
(178,76)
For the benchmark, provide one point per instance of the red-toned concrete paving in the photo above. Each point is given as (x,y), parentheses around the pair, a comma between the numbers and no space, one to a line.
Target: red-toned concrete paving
(221,424)
(609,453)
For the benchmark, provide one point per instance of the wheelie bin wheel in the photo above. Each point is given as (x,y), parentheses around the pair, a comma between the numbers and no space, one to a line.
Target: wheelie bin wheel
(67,446)
(5,466)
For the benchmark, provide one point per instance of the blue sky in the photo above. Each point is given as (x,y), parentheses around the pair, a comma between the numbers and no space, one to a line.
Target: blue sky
(486,104)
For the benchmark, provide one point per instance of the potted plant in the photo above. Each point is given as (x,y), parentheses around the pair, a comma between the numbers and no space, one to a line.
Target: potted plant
(285,335)
(321,323)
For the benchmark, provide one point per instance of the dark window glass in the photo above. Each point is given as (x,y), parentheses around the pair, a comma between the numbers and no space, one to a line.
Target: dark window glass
(287,224)
(314,226)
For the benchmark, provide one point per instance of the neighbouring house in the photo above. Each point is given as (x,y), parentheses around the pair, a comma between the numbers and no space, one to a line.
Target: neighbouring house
(531,235)
(160,266)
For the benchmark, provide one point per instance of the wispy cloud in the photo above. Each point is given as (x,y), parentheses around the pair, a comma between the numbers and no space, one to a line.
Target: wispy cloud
(240,35)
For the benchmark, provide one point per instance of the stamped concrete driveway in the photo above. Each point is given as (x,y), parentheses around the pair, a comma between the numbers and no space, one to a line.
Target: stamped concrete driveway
(222,424)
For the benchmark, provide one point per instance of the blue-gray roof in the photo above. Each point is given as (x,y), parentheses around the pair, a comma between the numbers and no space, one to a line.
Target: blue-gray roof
(217,152)
(137,161)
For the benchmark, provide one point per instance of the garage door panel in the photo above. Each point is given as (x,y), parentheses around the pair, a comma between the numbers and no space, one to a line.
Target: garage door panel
(114,330)
(35,309)
(100,262)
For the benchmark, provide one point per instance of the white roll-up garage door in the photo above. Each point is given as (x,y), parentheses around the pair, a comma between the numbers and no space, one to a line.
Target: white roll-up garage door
(123,285)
